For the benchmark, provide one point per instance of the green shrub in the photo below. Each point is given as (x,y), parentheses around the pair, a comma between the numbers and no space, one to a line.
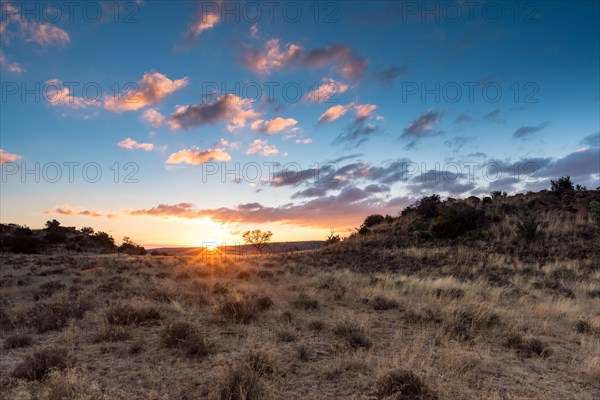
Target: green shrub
(527,229)
(561,185)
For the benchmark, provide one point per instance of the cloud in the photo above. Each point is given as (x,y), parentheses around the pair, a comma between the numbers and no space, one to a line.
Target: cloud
(526,131)
(273,126)
(57,94)
(68,210)
(333,113)
(362,112)
(325,92)
(457,143)
(421,127)
(388,75)
(356,134)
(591,141)
(152,88)
(37,32)
(261,147)
(490,117)
(131,144)
(11,67)
(231,145)
(303,141)
(154,117)
(275,57)
(227,107)
(347,208)
(8,157)
(205,20)
(195,156)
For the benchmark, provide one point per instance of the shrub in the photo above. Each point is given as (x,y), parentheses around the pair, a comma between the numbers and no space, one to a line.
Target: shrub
(303,353)
(381,303)
(18,340)
(285,335)
(316,325)
(38,365)
(332,238)
(241,383)
(111,333)
(527,348)
(238,310)
(399,384)
(426,207)
(455,221)
(260,362)
(370,221)
(527,229)
(496,194)
(185,336)
(263,303)
(561,185)
(305,302)
(353,335)
(126,314)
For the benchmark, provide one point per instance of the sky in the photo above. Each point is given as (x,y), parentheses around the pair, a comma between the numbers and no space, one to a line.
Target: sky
(181,123)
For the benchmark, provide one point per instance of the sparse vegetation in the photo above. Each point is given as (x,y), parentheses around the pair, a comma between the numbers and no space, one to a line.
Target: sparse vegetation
(41,362)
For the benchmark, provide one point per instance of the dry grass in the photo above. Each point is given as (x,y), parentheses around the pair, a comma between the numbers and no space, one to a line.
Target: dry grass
(439,323)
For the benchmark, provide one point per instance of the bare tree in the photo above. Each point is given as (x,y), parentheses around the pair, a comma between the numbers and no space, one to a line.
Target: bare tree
(257,238)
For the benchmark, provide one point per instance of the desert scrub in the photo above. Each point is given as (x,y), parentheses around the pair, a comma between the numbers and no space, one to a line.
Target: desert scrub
(400,384)
(353,335)
(18,340)
(132,314)
(37,365)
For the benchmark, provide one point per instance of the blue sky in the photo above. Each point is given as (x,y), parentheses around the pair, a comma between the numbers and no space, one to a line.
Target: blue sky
(412,87)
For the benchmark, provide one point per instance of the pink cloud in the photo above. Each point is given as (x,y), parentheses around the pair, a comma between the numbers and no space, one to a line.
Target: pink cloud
(230,145)
(56,94)
(228,107)
(274,57)
(45,34)
(11,67)
(261,147)
(155,118)
(274,126)
(333,113)
(8,157)
(195,156)
(131,144)
(362,112)
(68,210)
(152,88)
(326,91)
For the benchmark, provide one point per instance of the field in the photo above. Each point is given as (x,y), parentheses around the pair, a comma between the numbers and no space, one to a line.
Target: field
(310,325)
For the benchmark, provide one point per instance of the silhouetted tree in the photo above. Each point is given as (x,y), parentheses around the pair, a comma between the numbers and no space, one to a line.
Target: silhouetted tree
(257,238)
(561,185)
(332,238)
(88,230)
(52,225)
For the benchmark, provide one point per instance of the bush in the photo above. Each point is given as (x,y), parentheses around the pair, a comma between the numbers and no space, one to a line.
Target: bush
(38,365)
(527,348)
(18,340)
(401,384)
(498,195)
(241,383)
(426,207)
(381,303)
(353,335)
(305,302)
(455,221)
(125,314)
(185,336)
(238,310)
(561,185)
(527,229)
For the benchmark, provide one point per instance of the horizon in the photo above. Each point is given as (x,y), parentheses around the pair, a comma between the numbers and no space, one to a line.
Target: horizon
(231,119)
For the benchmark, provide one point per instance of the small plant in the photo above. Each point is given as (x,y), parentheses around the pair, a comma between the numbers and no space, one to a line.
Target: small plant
(263,303)
(305,302)
(38,365)
(185,336)
(399,384)
(18,340)
(241,383)
(316,325)
(381,303)
(126,314)
(285,335)
(527,348)
(332,238)
(238,310)
(527,229)
(353,334)
(260,362)
(496,195)
(303,353)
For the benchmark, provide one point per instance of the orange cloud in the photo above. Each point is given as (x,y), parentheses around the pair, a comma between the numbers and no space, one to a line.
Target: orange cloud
(152,88)
(11,67)
(228,107)
(333,113)
(8,157)
(195,156)
(155,118)
(130,144)
(274,57)
(261,147)
(325,91)
(56,95)
(362,112)
(274,126)
(68,210)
